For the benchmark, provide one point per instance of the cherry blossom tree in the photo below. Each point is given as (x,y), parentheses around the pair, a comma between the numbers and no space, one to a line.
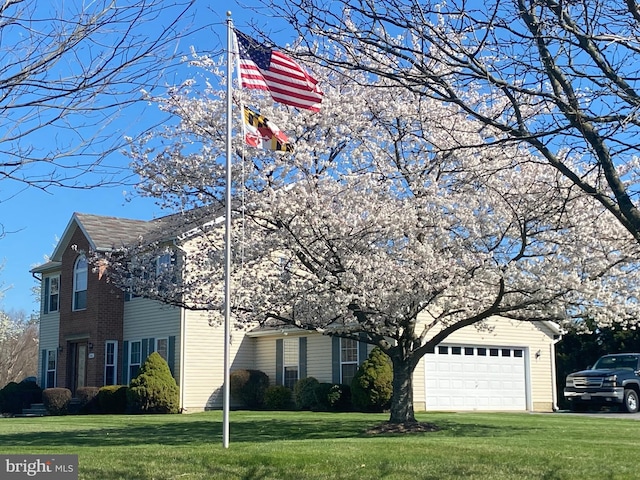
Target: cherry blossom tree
(559,76)
(18,347)
(395,221)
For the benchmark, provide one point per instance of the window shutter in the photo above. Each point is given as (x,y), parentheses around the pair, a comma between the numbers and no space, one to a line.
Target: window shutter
(279,361)
(335,359)
(362,350)
(43,372)
(145,350)
(171,354)
(302,357)
(45,299)
(125,362)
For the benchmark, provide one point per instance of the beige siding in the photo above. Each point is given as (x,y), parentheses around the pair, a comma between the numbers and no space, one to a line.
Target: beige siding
(204,361)
(147,318)
(532,337)
(265,356)
(144,318)
(319,357)
(49,336)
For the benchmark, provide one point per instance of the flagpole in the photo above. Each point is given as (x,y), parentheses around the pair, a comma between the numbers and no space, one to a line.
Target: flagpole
(227,251)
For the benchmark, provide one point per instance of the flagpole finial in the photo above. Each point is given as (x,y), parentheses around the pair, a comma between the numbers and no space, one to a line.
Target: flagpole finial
(229,13)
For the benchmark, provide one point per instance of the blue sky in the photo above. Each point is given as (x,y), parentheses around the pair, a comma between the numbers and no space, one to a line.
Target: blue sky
(34,219)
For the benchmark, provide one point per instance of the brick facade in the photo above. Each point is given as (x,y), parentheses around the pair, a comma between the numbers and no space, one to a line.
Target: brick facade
(83,333)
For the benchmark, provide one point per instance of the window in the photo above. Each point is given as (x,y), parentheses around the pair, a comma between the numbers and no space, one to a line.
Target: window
(110,362)
(52,360)
(135,357)
(493,352)
(291,353)
(348,360)
(456,350)
(468,350)
(506,352)
(162,347)
(482,352)
(51,294)
(517,353)
(80,273)
(443,350)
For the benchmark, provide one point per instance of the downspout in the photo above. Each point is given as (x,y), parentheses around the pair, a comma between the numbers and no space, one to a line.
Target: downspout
(183,328)
(554,382)
(183,331)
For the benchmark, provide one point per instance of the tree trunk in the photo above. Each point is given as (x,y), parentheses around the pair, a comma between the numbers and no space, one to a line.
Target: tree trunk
(402,400)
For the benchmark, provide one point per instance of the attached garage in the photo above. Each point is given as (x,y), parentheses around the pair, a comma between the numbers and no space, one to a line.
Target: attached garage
(474,377)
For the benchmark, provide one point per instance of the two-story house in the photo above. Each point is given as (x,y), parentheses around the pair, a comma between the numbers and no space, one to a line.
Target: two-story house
(94,334)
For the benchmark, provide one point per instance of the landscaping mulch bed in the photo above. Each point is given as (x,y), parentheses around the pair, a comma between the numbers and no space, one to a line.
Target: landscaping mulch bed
(409,427)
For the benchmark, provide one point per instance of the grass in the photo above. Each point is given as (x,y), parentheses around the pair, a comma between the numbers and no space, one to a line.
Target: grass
(304,445)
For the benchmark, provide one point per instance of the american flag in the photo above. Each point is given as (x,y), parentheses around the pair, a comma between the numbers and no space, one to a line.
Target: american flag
(266,69)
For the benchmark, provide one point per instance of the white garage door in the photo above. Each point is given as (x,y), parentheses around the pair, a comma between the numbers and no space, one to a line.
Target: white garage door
(475,378)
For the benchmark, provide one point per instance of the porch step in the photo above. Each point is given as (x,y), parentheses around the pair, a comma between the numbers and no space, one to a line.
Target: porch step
(36,410)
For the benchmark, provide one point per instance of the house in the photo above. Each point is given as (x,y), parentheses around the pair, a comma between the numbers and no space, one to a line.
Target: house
(94,334)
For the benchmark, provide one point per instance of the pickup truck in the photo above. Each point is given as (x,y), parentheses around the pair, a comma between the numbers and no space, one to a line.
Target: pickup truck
(613,380)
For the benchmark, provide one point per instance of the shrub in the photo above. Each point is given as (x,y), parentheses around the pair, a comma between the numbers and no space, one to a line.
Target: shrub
(372,385)
(154,390)
(88,397)
(56,400)
(112,399)
(16,396)
(304,393)
(9,399)
(332,397)
(249,387)
(278,397)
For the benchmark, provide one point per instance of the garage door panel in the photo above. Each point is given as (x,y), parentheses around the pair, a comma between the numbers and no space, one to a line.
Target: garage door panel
(490,379)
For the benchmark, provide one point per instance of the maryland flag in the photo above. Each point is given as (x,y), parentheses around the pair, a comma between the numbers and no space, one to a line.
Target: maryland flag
(260,132)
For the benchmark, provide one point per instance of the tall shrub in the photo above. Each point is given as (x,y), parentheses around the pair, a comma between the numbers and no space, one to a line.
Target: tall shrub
(249,387)
(372,386)
(154,390)
(304,393)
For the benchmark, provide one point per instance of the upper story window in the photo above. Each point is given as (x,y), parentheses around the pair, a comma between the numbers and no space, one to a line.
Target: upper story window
(80,275)
(51,294)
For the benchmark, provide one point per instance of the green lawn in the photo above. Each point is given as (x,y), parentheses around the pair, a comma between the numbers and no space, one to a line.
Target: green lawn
(303,445)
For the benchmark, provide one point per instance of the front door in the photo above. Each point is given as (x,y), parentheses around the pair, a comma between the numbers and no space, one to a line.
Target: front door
(79,365)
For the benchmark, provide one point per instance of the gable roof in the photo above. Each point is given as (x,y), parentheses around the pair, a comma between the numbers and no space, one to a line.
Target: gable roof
(103,233)
(106,233)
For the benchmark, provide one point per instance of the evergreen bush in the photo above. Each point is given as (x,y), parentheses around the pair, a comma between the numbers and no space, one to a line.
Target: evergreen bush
(88,398)
(372,385)
(9,398)
(304,393)
(154,390)
(332,397)
(16,396)
(56,400)
(249,387)
(113,399)
(278,397)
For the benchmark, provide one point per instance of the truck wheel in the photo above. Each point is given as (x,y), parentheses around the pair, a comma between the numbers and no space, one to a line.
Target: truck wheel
(631,403)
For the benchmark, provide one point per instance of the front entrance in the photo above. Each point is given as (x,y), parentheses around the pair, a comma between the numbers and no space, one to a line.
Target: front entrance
(78,353)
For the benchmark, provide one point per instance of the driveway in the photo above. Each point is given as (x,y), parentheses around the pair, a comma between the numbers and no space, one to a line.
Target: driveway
(602,414)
